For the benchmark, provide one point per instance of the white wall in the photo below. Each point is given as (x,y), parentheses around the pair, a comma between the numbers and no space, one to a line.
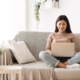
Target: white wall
(70,8)
(26,14)
(12,18)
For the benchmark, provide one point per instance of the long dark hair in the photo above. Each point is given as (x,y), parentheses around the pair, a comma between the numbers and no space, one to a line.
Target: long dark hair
(63,17)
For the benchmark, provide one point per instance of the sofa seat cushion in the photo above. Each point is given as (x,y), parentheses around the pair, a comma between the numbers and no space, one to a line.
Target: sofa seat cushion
(35,71)
(67,74)
(40,71)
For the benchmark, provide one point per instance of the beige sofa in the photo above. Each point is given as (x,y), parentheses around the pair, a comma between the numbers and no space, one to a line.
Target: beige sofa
(36,42)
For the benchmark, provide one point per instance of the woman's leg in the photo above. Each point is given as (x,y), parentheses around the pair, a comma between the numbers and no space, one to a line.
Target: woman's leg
(49,59)
(74,59)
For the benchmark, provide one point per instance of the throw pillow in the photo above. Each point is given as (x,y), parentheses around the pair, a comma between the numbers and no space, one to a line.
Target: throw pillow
(21,52)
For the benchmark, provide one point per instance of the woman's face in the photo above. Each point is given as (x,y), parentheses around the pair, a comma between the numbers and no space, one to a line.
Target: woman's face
(61,25)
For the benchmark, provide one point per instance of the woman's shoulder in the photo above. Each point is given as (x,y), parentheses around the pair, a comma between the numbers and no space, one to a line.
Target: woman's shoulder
(55,33)
(72,35)
(51,34)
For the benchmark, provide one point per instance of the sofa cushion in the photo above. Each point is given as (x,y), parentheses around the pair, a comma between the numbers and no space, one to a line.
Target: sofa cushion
(35,71)
(67,74)
(21,52)
(40,71)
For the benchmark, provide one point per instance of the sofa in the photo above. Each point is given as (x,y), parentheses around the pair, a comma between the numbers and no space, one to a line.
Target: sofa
(38,70)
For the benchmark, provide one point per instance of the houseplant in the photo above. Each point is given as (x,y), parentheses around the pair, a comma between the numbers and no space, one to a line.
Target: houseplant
(2,46)
(36,12)
(0,51)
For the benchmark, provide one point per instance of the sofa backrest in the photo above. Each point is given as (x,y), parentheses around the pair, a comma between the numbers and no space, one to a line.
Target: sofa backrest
(36,41)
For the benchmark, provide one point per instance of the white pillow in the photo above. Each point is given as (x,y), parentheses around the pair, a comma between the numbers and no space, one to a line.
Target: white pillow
(21,52)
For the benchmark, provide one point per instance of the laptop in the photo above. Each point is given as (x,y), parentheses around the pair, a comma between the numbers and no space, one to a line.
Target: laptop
(63,49)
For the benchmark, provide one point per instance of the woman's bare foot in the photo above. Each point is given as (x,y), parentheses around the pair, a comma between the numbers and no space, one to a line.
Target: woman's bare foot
(66,63)
(60,64)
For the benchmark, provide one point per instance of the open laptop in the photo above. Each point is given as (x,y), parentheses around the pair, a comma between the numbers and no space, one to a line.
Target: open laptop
(63,49)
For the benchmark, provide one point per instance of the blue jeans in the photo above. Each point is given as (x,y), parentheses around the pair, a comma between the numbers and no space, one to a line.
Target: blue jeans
(50,59)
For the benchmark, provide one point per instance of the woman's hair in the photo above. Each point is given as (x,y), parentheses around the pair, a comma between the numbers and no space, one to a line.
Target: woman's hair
(63,17)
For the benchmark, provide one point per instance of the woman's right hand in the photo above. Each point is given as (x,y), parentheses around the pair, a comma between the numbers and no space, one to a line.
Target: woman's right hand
(49,51)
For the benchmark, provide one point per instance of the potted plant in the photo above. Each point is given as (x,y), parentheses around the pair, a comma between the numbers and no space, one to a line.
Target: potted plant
(2,46)
(36,12)
(0,51)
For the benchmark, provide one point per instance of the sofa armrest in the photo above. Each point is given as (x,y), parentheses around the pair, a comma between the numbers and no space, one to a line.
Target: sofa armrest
(8,53)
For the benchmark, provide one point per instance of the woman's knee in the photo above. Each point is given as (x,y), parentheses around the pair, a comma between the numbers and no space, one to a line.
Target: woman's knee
(42,54)
(78,53)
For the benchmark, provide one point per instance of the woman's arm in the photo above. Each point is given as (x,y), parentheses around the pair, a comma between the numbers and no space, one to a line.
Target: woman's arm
(48,45)
(74,40)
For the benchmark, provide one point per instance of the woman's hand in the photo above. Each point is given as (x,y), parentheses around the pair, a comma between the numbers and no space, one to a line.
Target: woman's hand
(49,51)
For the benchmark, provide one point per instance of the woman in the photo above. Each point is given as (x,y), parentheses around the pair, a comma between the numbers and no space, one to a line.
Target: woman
(62,33)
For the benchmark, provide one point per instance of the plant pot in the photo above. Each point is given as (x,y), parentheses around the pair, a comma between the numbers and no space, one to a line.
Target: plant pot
(39,6)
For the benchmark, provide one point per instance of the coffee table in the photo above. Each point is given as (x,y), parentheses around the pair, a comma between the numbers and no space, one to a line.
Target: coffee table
(11,70)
